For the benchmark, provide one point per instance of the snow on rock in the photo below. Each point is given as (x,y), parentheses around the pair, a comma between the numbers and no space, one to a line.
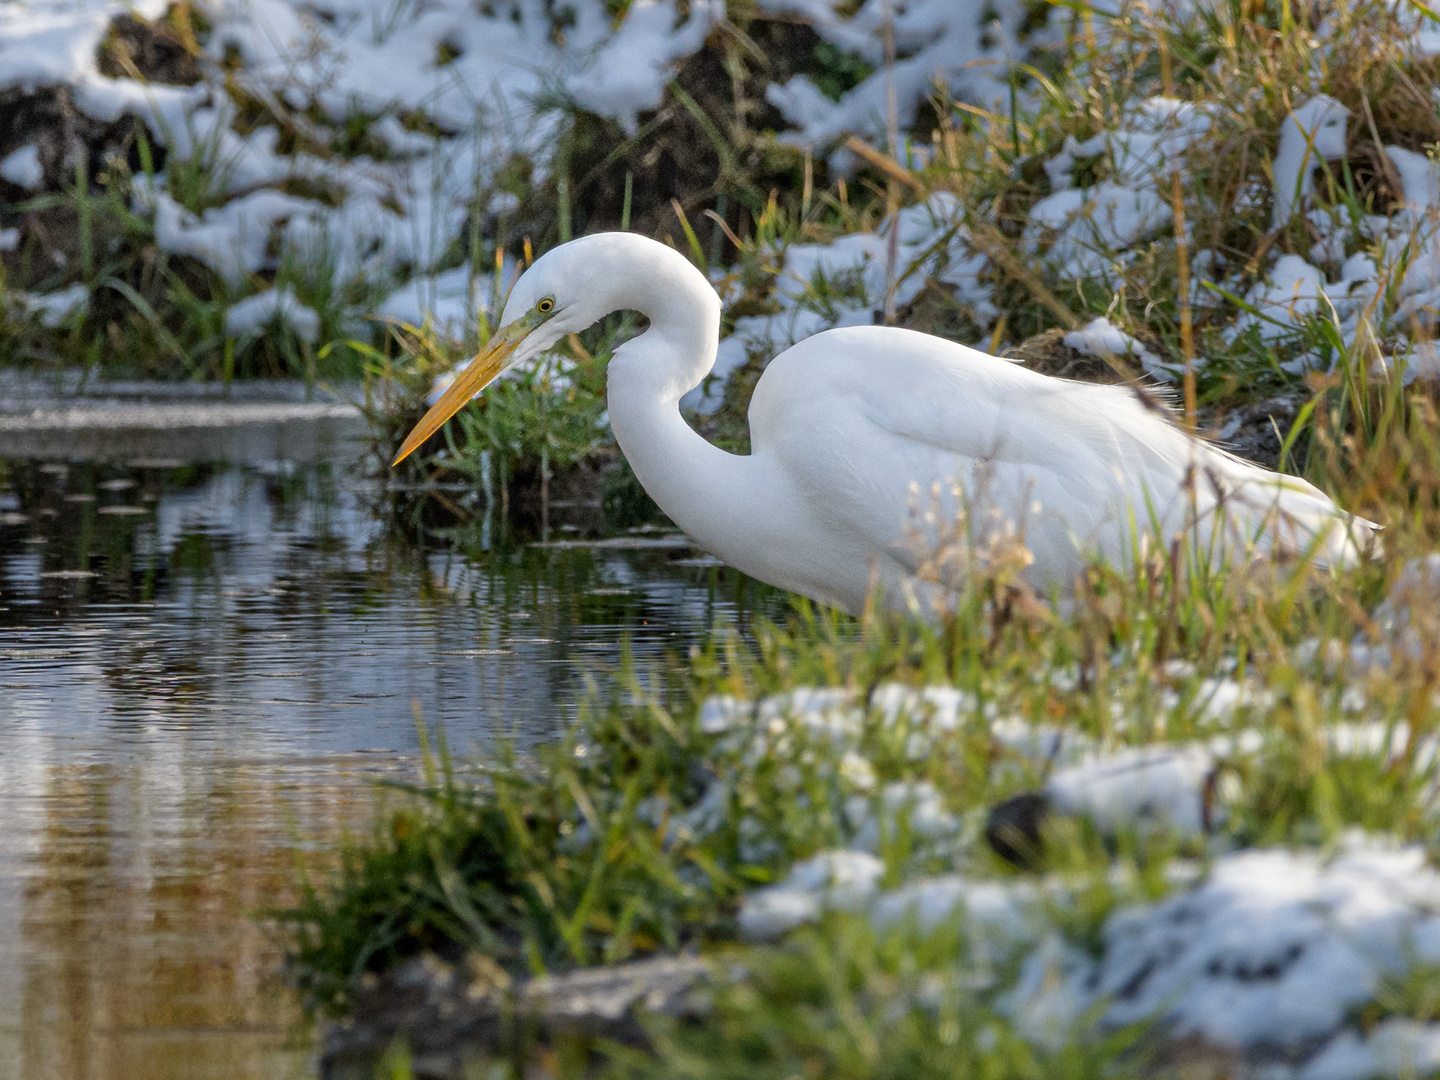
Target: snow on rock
(23,168)
(1396,1047)
(1313,133)
(1082,231)
(1101,337)
(1143,788)
(254,314)
(627,75)
(1273,947)
(959,44)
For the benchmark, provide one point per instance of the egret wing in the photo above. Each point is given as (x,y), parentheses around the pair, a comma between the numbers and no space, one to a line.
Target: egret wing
(890,432)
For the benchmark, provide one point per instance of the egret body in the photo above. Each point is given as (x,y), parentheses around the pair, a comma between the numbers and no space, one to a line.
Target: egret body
(857,434)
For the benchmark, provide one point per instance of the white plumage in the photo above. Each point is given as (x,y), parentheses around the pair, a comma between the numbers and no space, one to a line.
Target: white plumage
(866,443)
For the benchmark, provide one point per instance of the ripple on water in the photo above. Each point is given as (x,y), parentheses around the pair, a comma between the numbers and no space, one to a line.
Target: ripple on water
(194,690)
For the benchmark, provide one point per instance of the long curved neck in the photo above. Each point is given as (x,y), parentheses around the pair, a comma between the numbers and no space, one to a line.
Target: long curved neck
(700,486)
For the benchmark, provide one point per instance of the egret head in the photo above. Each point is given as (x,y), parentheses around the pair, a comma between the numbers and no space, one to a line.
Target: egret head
(562,293)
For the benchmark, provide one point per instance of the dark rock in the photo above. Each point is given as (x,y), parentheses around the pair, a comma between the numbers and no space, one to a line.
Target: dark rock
(1254,430)
(66,138)
(1048,354)
(1191,1058)
(452,1017)
(1013,828)
(155,52)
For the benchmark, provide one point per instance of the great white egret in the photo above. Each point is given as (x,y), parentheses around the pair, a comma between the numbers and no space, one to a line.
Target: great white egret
(860,435)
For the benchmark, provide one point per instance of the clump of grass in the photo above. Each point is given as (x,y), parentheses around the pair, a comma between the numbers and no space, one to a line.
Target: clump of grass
(535,434)
(150,313)
(537,874)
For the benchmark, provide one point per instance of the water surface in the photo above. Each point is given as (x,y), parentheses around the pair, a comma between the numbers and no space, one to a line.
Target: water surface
(204,668)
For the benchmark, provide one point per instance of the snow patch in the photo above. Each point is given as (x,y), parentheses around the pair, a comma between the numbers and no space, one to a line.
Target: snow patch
(23,168)
(56,308)
(251,316)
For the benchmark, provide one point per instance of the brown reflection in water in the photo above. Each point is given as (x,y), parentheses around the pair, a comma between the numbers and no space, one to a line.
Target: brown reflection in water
(137,952)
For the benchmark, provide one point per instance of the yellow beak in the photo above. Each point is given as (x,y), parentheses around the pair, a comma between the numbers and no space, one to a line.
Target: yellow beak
(478,374)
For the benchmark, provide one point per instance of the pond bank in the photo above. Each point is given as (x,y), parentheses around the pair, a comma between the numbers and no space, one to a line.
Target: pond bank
(71,417)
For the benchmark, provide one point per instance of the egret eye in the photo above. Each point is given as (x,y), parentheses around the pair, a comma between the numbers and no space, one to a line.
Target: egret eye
(545,306)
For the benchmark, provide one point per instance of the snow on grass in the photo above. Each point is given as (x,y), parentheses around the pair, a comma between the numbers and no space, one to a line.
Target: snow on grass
(1396,1047)
(831,881)
(1268,951)
(1164,787)
(485,80)
(626,76)
(467,91)
(253,315)
(1083,230)
(845,282)
(449,299)
(56,308)
(1265,951)
(1313,133)
(44,45)
(1272,946)
(482,77)
(234,239)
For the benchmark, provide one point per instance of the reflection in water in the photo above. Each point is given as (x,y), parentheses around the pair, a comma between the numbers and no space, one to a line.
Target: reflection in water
(201,668)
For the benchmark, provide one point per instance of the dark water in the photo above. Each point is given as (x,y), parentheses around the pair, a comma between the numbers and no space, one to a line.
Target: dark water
(205,668)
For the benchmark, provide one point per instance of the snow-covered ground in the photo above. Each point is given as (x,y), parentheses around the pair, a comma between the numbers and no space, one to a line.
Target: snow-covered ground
(1269,953)
(479,79)
(453,93)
